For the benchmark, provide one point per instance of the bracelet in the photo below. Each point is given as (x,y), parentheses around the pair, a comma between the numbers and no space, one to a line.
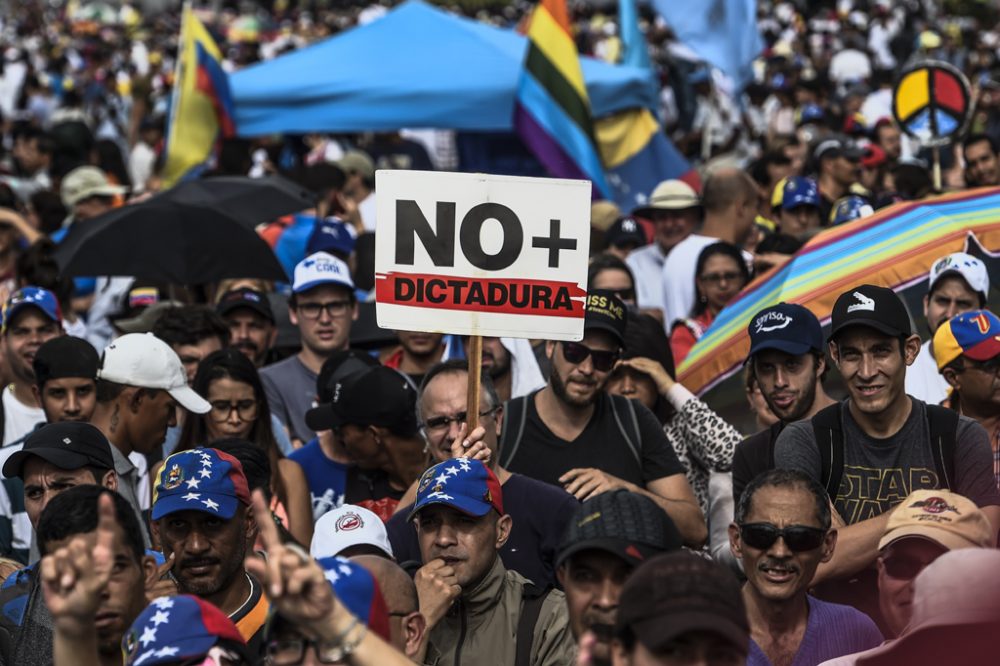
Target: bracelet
(338,649)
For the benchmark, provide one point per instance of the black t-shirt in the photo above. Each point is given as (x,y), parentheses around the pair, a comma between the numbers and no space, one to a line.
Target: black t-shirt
(371,489)
(539,514)
(754,455)
(544,456)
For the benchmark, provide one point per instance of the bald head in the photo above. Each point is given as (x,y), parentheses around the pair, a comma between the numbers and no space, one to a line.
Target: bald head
(397,587)
(725,187)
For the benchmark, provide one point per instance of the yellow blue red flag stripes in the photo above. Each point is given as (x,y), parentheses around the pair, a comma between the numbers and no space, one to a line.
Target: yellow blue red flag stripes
(202,107)
(552,112)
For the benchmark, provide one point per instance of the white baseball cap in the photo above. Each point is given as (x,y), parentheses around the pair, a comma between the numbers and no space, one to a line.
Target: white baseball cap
(971,269)
(319,269)
(348,525)
(144,360)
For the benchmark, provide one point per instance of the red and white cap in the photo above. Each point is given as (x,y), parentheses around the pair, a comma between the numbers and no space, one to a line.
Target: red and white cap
(346,526)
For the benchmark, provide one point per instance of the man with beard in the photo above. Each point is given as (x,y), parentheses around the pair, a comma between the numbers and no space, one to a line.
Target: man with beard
(838,166)
(957,283)
(573,434)
(417,353)
(787,361)
(203,518)
(982,168)
(252,328)
(511,365)
(781,533)
(608,537)
(31,317)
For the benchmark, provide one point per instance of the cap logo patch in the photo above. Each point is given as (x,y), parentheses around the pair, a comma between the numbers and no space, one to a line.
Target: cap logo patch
(174,478)
(983,323)
(935,505)
(632,551)
(776,321)
(864,303)
(67,440)
(348,522)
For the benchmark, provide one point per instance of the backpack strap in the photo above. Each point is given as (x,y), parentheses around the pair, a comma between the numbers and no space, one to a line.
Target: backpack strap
(829,436)
(532,598)
(515,411)
(943,424)
(628,425)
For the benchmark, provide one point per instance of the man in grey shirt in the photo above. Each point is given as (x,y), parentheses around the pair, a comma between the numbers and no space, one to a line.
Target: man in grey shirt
(879,441)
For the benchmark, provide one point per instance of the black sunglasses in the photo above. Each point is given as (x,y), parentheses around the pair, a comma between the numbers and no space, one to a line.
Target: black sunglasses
(798,538)
(901,567)
(578,353)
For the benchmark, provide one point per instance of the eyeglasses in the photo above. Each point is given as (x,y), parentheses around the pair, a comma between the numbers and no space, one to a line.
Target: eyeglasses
(246,410)
(991,367)
(575,353)
(901,567)
(439,424)
(332,308)
(798,538)
(291,651)
(718,278)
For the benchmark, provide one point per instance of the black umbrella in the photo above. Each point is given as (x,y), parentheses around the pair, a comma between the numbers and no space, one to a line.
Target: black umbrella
(195,233)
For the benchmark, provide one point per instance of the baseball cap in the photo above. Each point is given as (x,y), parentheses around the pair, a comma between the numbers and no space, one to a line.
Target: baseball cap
(356,588)
(622,523)
(971,269)
(64,356)
(146,318)
(346,526)
(680,592)
(318,269)
(606,312)
(85,182)
(141,295)
(624,231)
(799,191)
(811,113)
(379,396)
(464,484)
(356,161)
(603,214)
(872,306)
(944,517)
(331,234)
(67,445)
(670,195)
(245,297)
(837,147)
(851,207)
(341,364)
(873,156)
(203,480)
(142,359)
(31,297)
(973,334)
(172,629)
(787,327)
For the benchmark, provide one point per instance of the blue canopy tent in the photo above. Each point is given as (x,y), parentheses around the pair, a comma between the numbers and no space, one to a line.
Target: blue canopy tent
(418,66)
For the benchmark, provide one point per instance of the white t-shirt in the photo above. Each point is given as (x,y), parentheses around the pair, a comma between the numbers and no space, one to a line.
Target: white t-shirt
(19,419)
(923,381)
(678,275)
(647,263)
(367,210)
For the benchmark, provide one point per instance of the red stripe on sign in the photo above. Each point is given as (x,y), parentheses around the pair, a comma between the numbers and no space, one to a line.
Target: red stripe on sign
(501,295)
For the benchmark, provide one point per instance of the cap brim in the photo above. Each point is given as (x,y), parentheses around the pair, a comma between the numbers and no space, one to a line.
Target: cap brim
(607,328)
(619,547)
(319,283)
(225,308)
(61,458)
(787,346)
(164,506)
(944,538)
(323,418)
(657,632)
(646,211)
(190,400)
(984,351)
(469,507)
(879,326)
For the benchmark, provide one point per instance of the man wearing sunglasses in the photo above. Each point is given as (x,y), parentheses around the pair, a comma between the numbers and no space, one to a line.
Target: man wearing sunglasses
(967,351)
(781,533)
(323,306)
(573,434)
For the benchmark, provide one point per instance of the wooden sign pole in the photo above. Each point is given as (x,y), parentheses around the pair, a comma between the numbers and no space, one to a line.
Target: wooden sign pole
(937,168)
(475,355)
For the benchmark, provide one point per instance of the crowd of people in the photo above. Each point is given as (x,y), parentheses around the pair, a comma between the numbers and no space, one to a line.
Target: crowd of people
(253,472)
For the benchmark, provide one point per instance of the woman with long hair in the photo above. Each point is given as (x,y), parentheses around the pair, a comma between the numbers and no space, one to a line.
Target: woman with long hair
(229,382)
(720,274)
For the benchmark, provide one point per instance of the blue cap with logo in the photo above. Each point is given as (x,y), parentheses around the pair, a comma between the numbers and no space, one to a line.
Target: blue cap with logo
(174,629)
(800,191)
(35,297)
(203,480)
(319,269)
(787,327)
(331,234)
(464,484)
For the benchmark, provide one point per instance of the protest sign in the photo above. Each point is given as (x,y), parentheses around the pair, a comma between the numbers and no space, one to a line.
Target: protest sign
(476,254)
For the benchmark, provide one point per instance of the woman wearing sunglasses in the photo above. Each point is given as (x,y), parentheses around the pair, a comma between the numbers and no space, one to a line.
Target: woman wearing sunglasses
(720,274)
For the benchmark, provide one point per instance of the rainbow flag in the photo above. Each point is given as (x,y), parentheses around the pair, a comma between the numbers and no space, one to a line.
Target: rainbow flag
(201,108)
(552,111)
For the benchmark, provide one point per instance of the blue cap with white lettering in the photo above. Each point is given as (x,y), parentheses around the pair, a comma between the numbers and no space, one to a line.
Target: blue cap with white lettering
(787,327)
(320,269)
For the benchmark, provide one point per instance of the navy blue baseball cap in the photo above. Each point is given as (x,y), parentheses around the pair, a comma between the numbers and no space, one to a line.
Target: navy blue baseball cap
(464,484)
(799,191)
(331,234)
(787,327)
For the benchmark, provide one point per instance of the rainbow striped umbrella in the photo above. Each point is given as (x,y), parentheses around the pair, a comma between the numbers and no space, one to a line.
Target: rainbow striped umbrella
(895,248)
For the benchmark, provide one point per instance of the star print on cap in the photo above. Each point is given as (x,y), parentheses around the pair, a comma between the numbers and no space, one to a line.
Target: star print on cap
(358,590)
(464,484)
(173,629)
(203,480)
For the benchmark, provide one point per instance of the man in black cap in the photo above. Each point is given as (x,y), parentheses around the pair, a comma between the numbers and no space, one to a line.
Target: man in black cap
(252,327)
(607,538)
(679,608)
(573,434)
(374,414)
(879,445)
(838,166)
(787,360)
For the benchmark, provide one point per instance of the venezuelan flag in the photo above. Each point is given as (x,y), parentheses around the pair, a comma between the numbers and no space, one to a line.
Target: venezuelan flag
(202,106)
(552,112)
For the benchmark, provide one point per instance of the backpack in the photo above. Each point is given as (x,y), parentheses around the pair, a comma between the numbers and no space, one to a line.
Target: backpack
(532,598)
(826,424)
(516,412)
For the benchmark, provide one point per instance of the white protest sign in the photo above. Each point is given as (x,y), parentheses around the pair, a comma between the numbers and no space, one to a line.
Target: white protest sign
(475,254)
